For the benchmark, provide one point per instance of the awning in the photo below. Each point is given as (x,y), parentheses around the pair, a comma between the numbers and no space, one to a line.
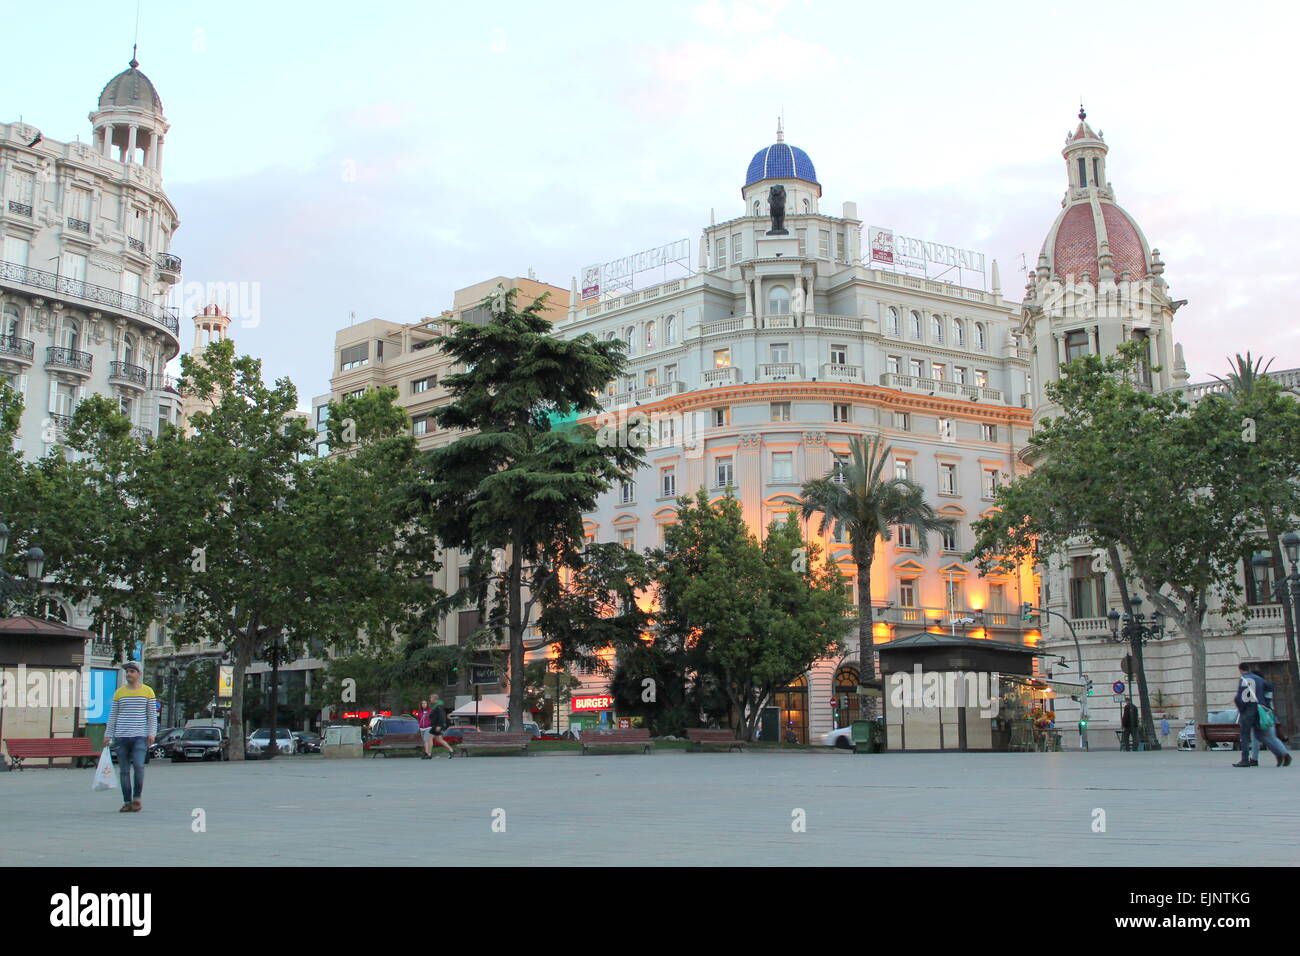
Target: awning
(480,708)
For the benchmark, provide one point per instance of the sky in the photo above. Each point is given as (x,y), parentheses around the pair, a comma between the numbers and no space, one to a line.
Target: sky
(336,159)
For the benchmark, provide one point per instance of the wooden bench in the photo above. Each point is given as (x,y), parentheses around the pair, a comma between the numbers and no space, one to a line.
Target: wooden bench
(376,745)
(488,740)
(636,737)
(1221,734)
(21,748)
(701,737)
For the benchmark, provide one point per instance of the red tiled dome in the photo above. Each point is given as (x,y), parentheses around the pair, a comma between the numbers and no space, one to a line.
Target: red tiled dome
(1075,249)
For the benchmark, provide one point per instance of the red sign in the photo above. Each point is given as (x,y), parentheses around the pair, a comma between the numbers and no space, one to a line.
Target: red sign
(364,714)
(593,703)
(625,723)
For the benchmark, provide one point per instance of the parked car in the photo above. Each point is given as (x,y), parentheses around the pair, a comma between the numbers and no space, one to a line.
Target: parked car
(199,743)
(163,738)
(841,737)
(308,743)
(1187,736)
(402,725)
(455,734)
(259,741)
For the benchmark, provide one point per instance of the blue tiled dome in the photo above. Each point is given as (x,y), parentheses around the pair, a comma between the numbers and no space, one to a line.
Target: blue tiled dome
(780,161)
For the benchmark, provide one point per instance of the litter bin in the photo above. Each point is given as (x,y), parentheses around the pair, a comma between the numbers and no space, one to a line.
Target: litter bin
(867,737)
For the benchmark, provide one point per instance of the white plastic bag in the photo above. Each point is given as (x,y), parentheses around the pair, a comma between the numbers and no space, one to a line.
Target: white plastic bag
(104,773)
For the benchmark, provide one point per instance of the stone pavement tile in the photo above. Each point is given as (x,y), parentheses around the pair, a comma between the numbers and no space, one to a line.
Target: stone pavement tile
(1166,808)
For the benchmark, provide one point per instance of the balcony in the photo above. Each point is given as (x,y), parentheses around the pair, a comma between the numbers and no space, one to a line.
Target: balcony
(935,386)
(12,348)
(169,267)
(842,373)
(124,373)
(727,375)
(844,323)
(79,225)
(135,245)
(86,294)
(68,360)
(141,433)
(21,208)
(165,383)
(780,372)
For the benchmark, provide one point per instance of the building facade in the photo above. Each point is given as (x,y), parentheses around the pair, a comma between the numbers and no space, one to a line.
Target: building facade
(756,372)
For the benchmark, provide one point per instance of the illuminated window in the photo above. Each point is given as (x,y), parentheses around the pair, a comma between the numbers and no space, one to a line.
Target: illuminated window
(907,592)
(722,358)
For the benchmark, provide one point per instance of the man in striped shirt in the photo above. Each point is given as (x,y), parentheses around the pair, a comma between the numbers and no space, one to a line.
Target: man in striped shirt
(132,726)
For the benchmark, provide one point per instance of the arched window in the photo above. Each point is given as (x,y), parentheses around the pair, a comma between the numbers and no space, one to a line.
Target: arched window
(981,341)
(651,330)
(128,349)
(670,329)
(52,610)
(12,323)
(629,336)
(936,328)
(958,333)
(71,335)
(807,207)
(778,300)
(915,321)
(758,209)
(894,328)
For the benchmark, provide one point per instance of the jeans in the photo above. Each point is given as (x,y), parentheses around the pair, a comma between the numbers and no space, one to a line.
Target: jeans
(131,753)
(1252,734)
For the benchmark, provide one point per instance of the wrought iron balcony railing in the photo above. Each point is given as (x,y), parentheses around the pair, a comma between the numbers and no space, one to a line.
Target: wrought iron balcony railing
(68,358)
(13,345)
(168,262)
(21,208)
(12,272)
(135,244)
(80,225)
(125,371)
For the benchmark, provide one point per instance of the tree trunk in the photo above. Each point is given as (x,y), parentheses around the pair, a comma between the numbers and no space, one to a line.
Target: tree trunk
(866,643)
(1289,622)
(515,626)
(273,704)
(1135,649)
(243,654)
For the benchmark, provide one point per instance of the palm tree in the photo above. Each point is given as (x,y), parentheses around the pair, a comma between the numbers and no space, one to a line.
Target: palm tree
(860,501)
(1245,373)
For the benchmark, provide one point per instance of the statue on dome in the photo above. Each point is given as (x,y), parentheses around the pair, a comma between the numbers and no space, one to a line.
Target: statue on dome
(776,206)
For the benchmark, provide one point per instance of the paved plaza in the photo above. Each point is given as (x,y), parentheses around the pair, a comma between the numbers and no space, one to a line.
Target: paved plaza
(1166,808)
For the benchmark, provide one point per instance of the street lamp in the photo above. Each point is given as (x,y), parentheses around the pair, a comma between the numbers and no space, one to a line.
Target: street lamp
(10,586)
(1135,629)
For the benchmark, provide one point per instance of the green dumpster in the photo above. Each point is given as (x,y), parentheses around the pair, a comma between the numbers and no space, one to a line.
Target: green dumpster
(867,737)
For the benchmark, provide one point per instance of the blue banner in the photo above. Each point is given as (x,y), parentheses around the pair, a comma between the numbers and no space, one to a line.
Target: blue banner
(99,696)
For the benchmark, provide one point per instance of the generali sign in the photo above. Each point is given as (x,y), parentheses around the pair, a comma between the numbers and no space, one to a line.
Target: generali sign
(593,703)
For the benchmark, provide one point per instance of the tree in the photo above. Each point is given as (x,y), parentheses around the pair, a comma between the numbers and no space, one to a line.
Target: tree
(515,485)
(856,497)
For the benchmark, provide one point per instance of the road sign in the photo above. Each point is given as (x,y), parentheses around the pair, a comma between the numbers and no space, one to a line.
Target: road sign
(1117,687)
(1118,698)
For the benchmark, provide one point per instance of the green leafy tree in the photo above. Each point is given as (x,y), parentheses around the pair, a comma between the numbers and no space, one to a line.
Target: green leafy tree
(865,505)
(514,485)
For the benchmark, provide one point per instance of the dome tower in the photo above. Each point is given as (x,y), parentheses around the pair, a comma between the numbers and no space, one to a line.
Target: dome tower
(781,165)
(128,123)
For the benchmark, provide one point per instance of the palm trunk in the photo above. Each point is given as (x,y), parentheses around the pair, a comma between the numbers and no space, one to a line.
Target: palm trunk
(866,643)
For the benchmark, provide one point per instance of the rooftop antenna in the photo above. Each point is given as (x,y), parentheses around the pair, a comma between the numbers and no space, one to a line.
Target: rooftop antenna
(352,318)
(135,40)
(780,126)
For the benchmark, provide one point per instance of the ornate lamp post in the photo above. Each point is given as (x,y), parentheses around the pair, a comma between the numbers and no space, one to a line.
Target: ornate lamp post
(1286,586)
(1136,629)
(10,586)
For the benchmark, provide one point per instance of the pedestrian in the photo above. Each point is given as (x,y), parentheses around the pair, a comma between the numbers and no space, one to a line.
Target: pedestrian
(1269,736)
(437,724)
(1164,731)
(1128,723)
(422,718)
(132,726)
(1253,693)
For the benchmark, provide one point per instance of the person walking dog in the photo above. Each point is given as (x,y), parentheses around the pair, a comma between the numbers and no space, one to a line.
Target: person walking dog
(1252,695)
(132,726)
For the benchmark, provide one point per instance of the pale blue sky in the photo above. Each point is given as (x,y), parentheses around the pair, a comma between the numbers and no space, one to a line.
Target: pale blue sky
(373,158)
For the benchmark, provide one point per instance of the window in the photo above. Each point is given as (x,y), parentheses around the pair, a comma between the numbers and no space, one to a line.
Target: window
(1087,589)
(420,426)
(947,429)
(357,393)
(998,598)
(128,349)
(423,384)
(839,355)
(723,473)
(840,469)
(737,249)
(903,535)
(802,236)
(936,328)
(670,329)
(668,482)
(952,596)
(127,408)
(840,413)
(71,335)
(651,377)
(721,417)
(758,208)
(981,339)
(837,532)
(902,468)
(1083,171)
(990,482)
(937,371)
(722,251)
(670,373)
(982,378)
(668,430)
(903,421)
(958,333)
(629,336)
(651,331)
(16,250)
(893,326)
(778,300)
(722,358)
(131,284)
(907,592)
(950,537)
(841,252)
(947,478)
(72,266)
(354,356)
(807,207)
(824,243)
(917,368)
(627,492)
(779,352)
(1096,171)
(989,432)
(1076,344)
(891,364)
(780,411)
(959,374)
(783,466)
(627,539)
(914,323)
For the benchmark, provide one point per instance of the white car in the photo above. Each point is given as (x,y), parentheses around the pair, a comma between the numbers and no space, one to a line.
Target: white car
(260,739)
(841,737)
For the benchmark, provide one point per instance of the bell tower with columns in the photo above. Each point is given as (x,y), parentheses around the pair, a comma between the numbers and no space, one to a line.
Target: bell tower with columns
(128,124)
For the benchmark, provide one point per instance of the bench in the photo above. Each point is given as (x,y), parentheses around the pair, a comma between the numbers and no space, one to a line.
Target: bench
(376,745)
(636,737)
(701,737)
(21,748)
(487,740)
(1221,734)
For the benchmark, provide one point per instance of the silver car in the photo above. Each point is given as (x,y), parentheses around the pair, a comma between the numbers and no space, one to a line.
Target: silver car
(1187,736)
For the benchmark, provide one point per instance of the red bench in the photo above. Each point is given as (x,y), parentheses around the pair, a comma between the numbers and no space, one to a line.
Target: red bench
(702,737)
(494,741)
(377,745)
(635,737)
(21,748)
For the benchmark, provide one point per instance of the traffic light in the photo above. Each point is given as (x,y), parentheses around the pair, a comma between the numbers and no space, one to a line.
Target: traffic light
(1083,724)
(1026,612)
(1090,687)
